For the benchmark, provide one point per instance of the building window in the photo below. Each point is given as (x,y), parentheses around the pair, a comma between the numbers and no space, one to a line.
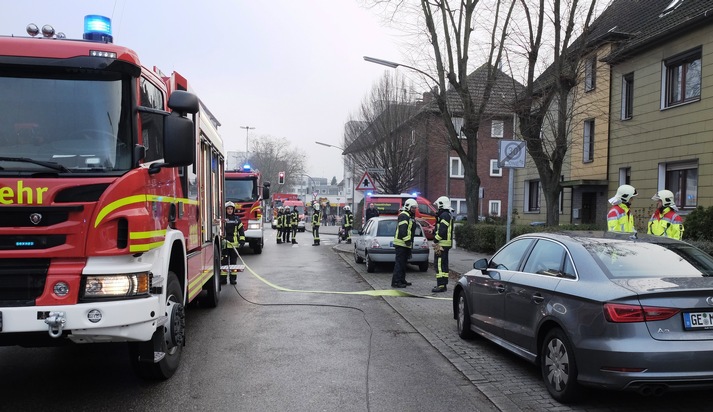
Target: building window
(494,207)
(532,196)
(627,96)
(624,176)
(588,146)
(590,73)
(682,81)
(497,128)
(682,180)
(459,206)
(458,125)
(457,169)
(495,169)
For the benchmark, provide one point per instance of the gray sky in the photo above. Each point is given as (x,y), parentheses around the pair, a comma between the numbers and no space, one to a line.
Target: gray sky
(289,68)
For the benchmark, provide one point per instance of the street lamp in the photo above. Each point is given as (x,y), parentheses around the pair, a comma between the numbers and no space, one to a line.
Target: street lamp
(247,130)
(352,164)
(394,65)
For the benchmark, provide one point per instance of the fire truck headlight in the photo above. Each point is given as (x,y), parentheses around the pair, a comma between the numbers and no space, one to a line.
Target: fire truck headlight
(254,226)
(112,286)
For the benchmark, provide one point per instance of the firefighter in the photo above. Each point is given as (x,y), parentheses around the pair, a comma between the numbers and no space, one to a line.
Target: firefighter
(278,224)
(442,242)
(234,237)
(315,224)
(348,223)
(403,242)
(295,221)
(620,218)
(666,221)
(286,224)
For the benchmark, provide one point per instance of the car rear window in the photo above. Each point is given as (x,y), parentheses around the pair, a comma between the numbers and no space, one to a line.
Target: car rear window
(386,228)
(641,259)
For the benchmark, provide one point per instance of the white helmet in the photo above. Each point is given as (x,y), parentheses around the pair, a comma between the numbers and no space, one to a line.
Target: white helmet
(229,204)
(347,208)
(666,198)
(281,208)
(316,206)
(443,202)
(409,203)
(625,192)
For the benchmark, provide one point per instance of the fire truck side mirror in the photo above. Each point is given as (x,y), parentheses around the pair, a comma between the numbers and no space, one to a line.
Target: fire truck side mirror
(266,191)
(178,140)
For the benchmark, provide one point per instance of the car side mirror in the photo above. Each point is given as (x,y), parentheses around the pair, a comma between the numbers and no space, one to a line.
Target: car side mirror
(481,265)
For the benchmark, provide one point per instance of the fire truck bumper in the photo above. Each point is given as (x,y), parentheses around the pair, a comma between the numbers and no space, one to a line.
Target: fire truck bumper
(116,321)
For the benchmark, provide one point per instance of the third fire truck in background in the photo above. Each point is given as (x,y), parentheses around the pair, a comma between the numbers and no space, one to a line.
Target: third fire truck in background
(245,188)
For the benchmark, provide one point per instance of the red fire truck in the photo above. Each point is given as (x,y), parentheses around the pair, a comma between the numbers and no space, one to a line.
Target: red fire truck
(111,198)
(246,190)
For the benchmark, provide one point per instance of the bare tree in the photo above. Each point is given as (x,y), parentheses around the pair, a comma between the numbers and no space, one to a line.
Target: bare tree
(272,155)
(548,99)
(450,26)
(379,136)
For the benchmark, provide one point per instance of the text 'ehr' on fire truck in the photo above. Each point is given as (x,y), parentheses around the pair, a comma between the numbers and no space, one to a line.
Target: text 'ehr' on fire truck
(110,198)
(245,188)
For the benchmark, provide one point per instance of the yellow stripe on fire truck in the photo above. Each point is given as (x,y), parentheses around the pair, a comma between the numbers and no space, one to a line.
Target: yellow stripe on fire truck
(196,285)
(138,199)
(135,246)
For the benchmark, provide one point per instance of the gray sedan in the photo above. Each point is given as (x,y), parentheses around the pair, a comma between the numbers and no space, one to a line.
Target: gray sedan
(375,244)
(596,309)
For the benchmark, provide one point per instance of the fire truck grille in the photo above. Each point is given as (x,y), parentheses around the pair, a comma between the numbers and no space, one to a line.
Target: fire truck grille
(29,242)
(28,216)
(22,281)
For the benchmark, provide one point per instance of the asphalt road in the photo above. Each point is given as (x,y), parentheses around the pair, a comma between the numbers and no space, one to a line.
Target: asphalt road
(262,349)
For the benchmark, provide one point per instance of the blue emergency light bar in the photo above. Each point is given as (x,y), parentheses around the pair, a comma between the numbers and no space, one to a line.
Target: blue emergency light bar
(247,167)
(97,28)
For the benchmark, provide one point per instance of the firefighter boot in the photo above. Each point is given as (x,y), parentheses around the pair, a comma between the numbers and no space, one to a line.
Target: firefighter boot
(233,279)
(294,242)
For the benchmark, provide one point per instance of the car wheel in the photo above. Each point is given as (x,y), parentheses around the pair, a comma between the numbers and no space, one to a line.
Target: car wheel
(357,258)
(559,368)
(370,264)
(423,266)
(463,317)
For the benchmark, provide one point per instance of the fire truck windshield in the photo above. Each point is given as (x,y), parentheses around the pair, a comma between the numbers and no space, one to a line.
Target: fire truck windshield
(241,190)
(78,122)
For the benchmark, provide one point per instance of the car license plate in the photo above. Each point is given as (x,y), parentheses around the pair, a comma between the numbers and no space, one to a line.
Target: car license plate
(698,320)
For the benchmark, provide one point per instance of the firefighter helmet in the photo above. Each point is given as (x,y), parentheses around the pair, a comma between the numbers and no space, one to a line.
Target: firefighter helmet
(347,208)
(409,203)
(316,206)
(443,202)
(625,192)
(229,204)
(666,198)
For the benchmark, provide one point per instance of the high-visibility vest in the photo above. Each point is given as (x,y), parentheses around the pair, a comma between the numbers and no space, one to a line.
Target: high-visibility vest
(404,230)
(619,219)
(444,229)
(667,223)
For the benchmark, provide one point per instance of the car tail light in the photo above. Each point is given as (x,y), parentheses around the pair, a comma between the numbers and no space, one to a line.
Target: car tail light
(620,313)
(375,244)
(424,244)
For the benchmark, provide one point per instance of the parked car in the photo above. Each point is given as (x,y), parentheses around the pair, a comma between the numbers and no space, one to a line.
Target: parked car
(429,230)
(597,309)
(375,244)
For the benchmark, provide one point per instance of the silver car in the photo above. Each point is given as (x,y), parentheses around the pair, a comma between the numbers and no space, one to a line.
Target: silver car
(375,244)
(597,309)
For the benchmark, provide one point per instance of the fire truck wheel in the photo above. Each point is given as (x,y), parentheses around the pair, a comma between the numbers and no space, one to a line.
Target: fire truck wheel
(168,339)
(256,247)
(211,299)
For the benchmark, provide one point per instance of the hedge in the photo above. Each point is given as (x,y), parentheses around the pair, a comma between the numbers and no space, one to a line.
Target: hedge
(487,238)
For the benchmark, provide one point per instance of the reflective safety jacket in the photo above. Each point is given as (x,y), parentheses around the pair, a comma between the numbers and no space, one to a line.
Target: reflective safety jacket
(295,217)
(666,223)
(315,218)
(405,230)
(444,228)
(348,219)
(620,219)
(234,230)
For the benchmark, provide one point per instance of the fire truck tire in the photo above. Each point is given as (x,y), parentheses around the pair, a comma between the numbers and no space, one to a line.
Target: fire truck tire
(211,299)
(168,338)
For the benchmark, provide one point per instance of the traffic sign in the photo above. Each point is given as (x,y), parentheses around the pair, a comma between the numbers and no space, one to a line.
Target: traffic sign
(366,183)
(512,154)
(375,170)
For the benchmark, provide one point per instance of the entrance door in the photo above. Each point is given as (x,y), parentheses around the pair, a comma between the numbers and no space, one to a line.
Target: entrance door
(589,207)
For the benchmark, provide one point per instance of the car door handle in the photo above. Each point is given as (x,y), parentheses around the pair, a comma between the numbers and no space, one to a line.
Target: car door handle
(537,298)
(500,288)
